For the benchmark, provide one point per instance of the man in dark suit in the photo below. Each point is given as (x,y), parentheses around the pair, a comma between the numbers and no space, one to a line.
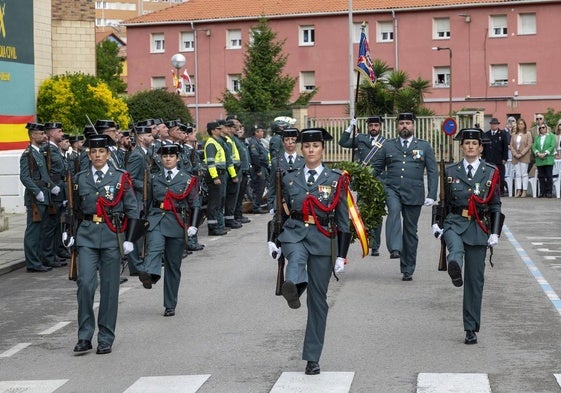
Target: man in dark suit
(496,151)
(402,162)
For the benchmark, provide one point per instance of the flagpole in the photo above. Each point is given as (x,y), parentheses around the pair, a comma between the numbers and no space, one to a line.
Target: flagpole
(353,111)
(351,61)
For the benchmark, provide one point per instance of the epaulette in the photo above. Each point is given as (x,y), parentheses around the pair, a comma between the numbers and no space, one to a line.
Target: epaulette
(338,171)
(452,165)
(490,165)
(26,151)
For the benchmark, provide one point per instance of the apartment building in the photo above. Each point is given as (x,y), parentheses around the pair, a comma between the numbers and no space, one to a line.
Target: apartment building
(495,56)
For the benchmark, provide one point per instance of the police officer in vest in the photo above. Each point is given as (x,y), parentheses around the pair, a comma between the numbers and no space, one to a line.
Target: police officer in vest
(106,202)
(472,223)
(233,185)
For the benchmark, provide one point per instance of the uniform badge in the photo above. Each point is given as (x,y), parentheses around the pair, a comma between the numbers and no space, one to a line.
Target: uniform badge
(418,154)
(109,192)
(324,192)
(477,191)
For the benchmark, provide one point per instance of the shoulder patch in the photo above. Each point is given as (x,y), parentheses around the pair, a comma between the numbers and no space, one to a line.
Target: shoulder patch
(337,171)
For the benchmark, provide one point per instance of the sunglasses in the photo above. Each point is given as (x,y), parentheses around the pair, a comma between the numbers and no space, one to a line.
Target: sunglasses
(542,128)
(539,118)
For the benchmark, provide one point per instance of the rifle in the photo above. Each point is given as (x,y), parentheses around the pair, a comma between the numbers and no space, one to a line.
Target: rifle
(69,221)
(439,212)
(274,228)
(35,213)
(51,209)
(145,205)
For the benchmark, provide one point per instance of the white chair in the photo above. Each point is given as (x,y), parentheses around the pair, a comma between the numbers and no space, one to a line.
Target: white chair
(509,177)
(533,182)
(557,180)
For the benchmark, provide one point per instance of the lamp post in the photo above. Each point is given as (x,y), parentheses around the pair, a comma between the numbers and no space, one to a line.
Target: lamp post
(439,48)
(178,61)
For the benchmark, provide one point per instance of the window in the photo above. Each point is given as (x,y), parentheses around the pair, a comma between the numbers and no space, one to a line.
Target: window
(189,87)
(234,83)
(385,32)
(499,75)
(158,82)
(307,81)
(527,74)
(526,24)
(307,35)
(497,26)
(157,44)
(357,29)
(234,39)
(441,77)
(441,28)
(187,41)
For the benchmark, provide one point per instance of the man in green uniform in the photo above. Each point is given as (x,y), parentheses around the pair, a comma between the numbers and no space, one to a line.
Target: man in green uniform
(471,225)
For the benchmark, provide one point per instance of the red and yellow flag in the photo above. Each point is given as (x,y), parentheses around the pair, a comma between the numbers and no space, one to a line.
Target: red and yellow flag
(356,219)
(13,134)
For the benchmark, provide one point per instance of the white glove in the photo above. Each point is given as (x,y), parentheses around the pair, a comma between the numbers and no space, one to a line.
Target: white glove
(64,203)
(67,241)
(436,231)
(493,240)
(192,231)
(339,265)
(40,197)
(274,249)
(55,190)
(272,212)
(429,202)
(127,247)
(351,126)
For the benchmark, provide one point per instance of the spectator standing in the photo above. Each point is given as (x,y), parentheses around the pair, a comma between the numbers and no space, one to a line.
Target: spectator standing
(521,148)
(496,151)
(544,151)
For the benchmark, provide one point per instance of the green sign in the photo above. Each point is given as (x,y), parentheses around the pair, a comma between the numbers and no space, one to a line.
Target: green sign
(16,31)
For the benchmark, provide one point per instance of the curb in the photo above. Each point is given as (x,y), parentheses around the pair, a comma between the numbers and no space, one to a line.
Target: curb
(11,267)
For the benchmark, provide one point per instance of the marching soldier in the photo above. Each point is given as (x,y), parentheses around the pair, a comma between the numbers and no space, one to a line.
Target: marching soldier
(216,178)
(73,158)
(403,161)
(364,143)
(174,207)
(109,128)
(108,207)
(38,186)
(259,157)
(315,196)
(56,165)
(472,223)
(288,162)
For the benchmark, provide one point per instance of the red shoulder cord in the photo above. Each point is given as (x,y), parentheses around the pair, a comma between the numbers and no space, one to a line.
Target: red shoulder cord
(473,199)
(311,201)
(102,203)
(170,197)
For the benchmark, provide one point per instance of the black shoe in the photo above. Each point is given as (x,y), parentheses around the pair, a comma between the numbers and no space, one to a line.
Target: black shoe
(145,279)
(40,269)
(63,255)
(312,368)
(123,280)
(55,264)
(134,274)
(233,224)
(260,211)
(102,349)
(290,293)
(216,232)
(407,277)
(243,219)
(169,312)
(374,253)
(195,247)
(471,337)
(83,346)
(395,254)
(455,273)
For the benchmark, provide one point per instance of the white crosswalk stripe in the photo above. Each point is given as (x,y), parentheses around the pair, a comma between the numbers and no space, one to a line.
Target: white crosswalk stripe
(47,386)
(168,384)
(453,382)
(326,382)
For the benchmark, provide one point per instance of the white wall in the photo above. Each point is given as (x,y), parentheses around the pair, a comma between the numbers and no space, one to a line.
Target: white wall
(11,189)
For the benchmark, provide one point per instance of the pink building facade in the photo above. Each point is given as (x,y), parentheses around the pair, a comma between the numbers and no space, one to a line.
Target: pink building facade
(504,54)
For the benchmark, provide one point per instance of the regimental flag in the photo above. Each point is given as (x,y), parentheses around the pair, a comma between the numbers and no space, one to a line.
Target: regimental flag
(186,78)
(364,64)
(13,134)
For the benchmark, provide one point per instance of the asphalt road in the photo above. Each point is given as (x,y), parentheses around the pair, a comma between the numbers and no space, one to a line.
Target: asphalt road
(230,330)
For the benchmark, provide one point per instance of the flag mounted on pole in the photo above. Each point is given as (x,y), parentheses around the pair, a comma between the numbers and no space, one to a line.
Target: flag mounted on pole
(176,81)
(364,64)
(186,81)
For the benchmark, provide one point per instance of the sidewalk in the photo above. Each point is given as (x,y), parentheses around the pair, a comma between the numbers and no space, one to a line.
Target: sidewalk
(11,244)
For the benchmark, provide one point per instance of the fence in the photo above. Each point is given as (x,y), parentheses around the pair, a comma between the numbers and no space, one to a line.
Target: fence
(428,128)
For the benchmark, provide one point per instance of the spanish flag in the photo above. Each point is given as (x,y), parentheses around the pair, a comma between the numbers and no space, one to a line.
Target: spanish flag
(356,219)
(13,134)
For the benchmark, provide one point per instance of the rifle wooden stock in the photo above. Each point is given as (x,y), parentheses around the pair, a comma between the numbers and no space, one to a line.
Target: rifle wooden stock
(276,228)
(36,214)
(441,214)
(73,265)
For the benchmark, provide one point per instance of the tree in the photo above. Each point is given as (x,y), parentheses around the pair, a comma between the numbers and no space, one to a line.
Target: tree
(69,98)
(264,92)
(110,66)
(155,104)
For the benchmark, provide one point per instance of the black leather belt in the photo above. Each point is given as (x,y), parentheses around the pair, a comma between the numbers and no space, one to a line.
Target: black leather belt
(324,221)
(462,211)
(159,204)
(93,217)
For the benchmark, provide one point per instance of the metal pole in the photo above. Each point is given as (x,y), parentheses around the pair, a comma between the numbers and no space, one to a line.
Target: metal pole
(351,62)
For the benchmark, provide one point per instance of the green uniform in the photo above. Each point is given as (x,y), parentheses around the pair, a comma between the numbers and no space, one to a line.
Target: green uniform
(98,248)
(465,239)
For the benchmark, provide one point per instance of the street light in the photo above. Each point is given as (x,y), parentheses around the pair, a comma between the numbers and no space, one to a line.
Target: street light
(178,61)
(450,79)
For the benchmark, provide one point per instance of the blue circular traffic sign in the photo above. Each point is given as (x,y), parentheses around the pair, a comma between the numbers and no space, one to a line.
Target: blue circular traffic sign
(449,126)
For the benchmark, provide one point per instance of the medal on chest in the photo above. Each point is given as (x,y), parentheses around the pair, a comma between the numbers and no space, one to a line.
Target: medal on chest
(109,192)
